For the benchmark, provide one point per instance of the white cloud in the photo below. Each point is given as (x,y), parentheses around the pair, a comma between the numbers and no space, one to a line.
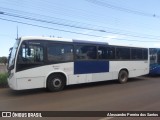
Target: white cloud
(116,39)
(111,37)
(156,45)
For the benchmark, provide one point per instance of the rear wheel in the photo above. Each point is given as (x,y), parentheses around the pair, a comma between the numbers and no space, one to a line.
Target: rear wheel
(123,76)
(56,82)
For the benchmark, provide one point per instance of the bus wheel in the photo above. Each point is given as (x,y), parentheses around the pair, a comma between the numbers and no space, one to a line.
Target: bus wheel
(123,76)
(56,82)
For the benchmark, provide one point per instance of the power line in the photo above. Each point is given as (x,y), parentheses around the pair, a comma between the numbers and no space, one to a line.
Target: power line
(45,21)
(104,4)
(67,11)
(50,28)
(72,31)
(79,27)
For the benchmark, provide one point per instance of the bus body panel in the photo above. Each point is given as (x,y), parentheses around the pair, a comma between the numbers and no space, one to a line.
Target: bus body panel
(31,79)
(12,82)
(77,79)
(102,76)
(37,77)
(135,68)
(154,69)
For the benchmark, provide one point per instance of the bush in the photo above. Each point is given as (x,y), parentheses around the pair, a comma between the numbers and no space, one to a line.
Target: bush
(3,79)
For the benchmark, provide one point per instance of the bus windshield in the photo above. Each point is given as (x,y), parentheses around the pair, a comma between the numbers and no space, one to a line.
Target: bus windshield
(12,55)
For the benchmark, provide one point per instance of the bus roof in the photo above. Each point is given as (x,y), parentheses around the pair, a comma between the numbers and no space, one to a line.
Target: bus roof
(91,42)
(61,39)
(44,38)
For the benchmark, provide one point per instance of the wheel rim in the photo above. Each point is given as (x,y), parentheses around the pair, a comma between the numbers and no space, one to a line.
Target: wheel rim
(123,77)
(57,83)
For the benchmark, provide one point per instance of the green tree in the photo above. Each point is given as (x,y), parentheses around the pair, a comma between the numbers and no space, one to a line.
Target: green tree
(3,60)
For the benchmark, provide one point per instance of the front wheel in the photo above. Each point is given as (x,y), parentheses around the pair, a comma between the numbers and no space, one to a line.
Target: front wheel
(123,76)
(56,83)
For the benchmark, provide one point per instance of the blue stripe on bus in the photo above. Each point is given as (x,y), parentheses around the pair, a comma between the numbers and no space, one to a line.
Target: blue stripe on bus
(85,67)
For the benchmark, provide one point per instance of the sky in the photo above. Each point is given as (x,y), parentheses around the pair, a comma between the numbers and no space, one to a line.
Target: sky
(117,22)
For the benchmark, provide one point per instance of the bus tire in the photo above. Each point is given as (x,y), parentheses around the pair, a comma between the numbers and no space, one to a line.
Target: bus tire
(123,76)
(56,82)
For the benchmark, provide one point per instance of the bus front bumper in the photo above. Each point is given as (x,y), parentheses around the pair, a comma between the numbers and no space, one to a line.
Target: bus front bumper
(12,82)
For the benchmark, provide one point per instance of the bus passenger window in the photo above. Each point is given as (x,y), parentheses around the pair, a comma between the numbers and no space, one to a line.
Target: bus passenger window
(59,53)
(123,53)
(86,52)
(145,54)
(136,53)
(102,53)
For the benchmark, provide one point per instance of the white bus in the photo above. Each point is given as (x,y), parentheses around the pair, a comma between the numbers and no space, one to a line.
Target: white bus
(53,63)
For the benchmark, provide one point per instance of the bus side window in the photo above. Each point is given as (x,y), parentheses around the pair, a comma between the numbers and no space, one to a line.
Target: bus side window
(84,52)
(60,52)
(123,53)
(102,52)
(145,54)
(136,54)
(105,52)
